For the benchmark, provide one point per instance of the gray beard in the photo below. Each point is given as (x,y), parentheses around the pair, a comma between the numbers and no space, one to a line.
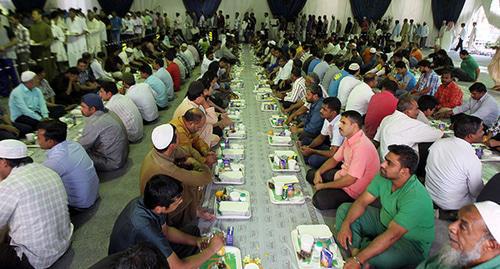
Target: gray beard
(455,258)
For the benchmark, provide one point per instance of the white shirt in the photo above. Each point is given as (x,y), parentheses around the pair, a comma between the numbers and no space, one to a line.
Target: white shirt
(331,129)
(128,112)
(400,129)
(142,95)
(98,71)
(124,57)
(359,98)
(345,87)
(453,173)
(485,108)
(463,33)
(204,65)
(284,73)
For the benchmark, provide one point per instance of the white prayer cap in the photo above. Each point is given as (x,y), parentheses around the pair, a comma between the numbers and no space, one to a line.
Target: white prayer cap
(373,50)
(184,45)
(271,43)
(110,17)
(162,136)
(13,149)
(128,14)
(490,212)
(354,67)
(27,76)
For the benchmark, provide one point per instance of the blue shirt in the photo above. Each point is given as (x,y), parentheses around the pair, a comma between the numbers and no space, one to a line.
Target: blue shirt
(409,79)
(72,163)
(116,24)
(166,78)
(313,121)
(159,90)
(136,224)
(23,101)
(312,65)
(333,89)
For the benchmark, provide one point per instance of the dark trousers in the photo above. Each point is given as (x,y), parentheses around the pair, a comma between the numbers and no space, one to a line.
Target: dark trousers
(56,111)
(316,160)
(10,260)
(460,44)
(328,198)
(287,104)
(27,121)
(7,135)
(461,75)
(423,153)
(491,190)
(8,76)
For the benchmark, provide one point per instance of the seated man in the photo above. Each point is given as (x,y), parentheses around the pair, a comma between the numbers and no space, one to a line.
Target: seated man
(70,161)
(449,94)
(34,209)
(480,104)
(474,240)
(428,82)
(26,103)
(348,83)
(174,71)
(142,96)
(399,234)
(164,76)
(469,69)
(298,89)
(404,78)
(453,171)
(326,144)
(167,158)
(67,88)
(55,110)
(381,104)
(142,255)
(144,220)
(427,105)
(104,137)
(360,165)
(361,94)
(187,127)
(403,128)
(311,126)
(159,89)
(124,108)
(86,80)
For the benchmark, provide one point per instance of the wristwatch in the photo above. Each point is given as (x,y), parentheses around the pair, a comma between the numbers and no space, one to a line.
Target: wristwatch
(355,258)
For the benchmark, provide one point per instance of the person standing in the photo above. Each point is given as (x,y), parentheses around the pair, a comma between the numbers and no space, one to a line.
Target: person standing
(77,45)
(94,34)
(116,27)
(424,33)
(23,43)
(57,45)
(461,38)
(41,36)
(8,73)
(472,36)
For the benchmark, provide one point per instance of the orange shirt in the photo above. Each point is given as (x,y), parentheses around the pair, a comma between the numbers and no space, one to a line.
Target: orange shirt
(450,95)
(417,53)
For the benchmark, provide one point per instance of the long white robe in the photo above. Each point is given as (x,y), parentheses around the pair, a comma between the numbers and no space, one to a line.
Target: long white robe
(447,39)
(77,44)
(94,36)
(57,46)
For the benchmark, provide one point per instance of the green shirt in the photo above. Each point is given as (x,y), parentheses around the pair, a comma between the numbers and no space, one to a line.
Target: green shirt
(469,65)
(433,263)
(410,207)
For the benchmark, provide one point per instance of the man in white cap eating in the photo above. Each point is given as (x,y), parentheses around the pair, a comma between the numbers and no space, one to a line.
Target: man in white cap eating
(348,83)
(474,240)
(26,102)
(34,208)
(168,158)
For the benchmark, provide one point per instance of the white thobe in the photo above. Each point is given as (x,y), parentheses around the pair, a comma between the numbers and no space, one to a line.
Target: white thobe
(94,36)
(77,44)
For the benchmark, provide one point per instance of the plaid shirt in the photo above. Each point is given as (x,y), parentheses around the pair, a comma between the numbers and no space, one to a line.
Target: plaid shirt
(450,95)
(23,39)
(34,206)
(430,81)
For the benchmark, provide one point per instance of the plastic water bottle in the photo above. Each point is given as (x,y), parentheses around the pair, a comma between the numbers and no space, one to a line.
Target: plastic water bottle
(316,255)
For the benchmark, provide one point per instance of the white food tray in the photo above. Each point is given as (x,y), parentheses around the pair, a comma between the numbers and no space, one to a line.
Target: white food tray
(264,104)
(235,166)
(296,201)
(280,153)
(302,265)
(248,215)
(275,118)
(274,143)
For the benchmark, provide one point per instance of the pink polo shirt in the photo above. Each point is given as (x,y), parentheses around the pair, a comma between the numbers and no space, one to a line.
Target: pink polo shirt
(360,160)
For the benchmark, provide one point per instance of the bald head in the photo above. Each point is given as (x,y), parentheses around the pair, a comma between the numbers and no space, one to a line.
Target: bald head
(194,120)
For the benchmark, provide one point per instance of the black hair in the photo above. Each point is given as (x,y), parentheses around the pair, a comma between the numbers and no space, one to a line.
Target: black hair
(145,68)
(297,63)
(161,190)
(315,89)
(354,116)
(464,52)
(159,61)
(464,125)
(384,57)
(400,64)
(447,71)
(408,158)
(37,69)
(333,103)
(477,87)
(297,72)
(426,102)
(389,85)
(193,115)
(170,54)
(213,67)
(328,57)
(82,60)
(424,63)
(109,86)
(207,78)
(18,162)
(195,90)
(54,129)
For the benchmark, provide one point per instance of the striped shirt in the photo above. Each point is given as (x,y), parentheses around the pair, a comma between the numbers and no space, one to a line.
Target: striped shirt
(428,80)
(298,91)
(128,112)
(34,206)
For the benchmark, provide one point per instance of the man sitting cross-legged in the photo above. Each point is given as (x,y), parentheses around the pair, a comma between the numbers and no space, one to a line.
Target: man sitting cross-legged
(401,232)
